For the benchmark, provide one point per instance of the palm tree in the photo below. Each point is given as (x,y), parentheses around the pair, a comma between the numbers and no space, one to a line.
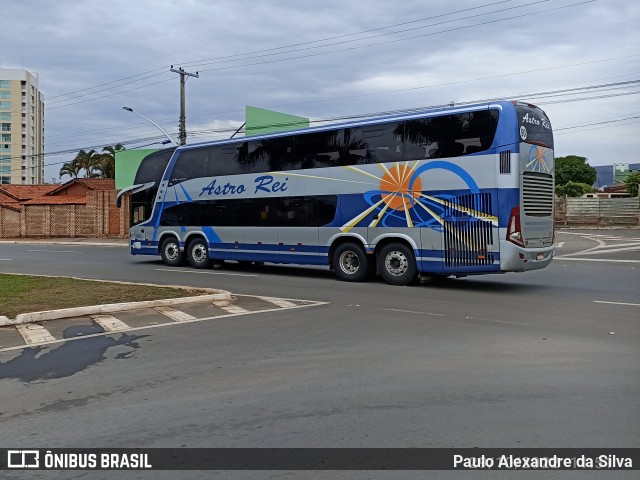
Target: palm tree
(94,164)
(105,164)
(69,168)
(86,161)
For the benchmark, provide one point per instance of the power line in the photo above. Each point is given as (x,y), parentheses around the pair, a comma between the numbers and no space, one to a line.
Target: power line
(196,63)
(162,70)
(542,95)
(524,72)
(411,110)
(394,40)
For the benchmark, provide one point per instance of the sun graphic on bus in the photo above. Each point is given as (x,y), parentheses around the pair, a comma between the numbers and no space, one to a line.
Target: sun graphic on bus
(399,199)
(537,161)
(396,188)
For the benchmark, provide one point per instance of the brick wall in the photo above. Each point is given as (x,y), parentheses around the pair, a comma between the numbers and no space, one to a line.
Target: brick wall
(9,223)
(99,218)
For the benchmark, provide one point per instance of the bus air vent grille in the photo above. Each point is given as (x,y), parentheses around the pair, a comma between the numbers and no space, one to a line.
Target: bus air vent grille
(537,194)
(505,162)
(468,232)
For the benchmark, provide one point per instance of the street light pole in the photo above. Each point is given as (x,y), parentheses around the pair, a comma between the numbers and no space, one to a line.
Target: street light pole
(173,142)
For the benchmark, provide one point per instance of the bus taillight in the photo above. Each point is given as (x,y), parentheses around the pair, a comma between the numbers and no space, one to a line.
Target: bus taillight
(514,233)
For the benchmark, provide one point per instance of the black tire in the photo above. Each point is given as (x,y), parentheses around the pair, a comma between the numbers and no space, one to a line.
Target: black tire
(198,253)
(170,252)
(397,264)
(350,263)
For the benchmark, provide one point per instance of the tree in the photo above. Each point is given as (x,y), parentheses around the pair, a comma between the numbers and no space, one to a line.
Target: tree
(573,189)
(69,168)
(94,164)
(573,168)
(105,163)
(85,160)
(633,182)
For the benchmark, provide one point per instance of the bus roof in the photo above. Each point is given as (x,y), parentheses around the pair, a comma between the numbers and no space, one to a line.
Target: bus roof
(369,120)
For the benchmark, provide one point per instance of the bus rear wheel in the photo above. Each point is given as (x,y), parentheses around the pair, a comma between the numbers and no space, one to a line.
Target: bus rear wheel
(170,252)
(397,264)
(350,263)
(198,253)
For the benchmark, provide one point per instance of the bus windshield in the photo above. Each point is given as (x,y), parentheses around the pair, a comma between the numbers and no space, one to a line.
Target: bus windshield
(534,126)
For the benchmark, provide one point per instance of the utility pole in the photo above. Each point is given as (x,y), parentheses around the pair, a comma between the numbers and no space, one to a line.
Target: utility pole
(183,127)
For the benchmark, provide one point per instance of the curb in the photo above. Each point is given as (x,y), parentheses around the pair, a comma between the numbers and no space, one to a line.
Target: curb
(220,299)
(94,243)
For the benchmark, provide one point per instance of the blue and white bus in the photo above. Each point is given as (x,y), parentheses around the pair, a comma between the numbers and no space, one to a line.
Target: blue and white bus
(452,191)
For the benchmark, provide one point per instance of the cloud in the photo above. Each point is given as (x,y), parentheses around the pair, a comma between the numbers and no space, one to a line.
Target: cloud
(94,57)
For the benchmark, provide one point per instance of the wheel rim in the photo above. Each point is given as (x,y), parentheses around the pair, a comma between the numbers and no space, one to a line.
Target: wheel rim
(172,251)
(349,262)
(396,263)
(199,253)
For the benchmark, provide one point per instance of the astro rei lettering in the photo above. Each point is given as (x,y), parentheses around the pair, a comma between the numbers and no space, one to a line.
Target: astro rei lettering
(264,183)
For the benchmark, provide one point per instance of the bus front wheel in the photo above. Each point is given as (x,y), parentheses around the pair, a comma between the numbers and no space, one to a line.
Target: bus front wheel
(170,252)
(350,263)
(198,253)
(397,264)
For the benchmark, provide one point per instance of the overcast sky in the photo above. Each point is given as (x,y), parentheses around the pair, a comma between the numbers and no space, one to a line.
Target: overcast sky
(324,59)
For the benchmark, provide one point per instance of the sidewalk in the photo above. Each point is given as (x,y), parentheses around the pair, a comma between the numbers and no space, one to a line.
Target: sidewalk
(105,242)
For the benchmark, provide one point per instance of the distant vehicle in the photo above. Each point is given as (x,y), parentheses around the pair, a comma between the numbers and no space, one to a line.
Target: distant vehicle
(456,191)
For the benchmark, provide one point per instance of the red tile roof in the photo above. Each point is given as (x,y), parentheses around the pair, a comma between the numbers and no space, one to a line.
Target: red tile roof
(26,192)
(10,205)
(98,183)
(58,200)
(90,183)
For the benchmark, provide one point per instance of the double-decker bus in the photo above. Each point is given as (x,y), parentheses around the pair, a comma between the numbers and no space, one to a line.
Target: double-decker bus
(452,191)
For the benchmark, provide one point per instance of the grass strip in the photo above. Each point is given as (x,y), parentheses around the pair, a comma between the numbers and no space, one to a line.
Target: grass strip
(25,293)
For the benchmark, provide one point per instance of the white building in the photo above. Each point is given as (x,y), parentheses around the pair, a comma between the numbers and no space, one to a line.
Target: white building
(21,128)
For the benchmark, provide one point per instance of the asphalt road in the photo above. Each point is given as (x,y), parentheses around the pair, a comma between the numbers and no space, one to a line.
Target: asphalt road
(543,359)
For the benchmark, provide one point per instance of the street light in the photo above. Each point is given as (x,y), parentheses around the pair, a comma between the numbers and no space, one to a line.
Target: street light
(129,109)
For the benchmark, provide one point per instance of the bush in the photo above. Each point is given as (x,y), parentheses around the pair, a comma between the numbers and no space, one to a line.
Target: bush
(632,182)
(573,189)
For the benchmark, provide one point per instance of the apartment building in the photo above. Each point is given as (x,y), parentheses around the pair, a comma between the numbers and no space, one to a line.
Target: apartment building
(21,128)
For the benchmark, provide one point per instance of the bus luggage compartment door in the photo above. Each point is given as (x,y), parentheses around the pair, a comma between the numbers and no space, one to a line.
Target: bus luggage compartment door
(470,234)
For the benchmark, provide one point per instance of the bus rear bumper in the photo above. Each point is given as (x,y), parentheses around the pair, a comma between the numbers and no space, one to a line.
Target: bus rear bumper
(517,259)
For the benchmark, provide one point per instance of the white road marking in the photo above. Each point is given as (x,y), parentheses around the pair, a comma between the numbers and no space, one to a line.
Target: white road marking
(560,244)
(6,259)
(412,311)
(618,303)
(56,251)
(305,304)
(34,333)
(281,302)
(595,260)
(174,314)
(204,273)
(581,234)
(110,323)
(603,250)
(234,309)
